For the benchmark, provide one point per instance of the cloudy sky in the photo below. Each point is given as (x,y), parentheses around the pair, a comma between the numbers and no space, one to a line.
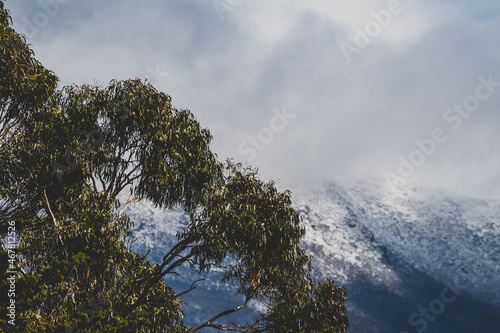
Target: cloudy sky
(304,90)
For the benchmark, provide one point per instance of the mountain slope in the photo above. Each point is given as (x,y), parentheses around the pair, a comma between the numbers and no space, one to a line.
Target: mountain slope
(397,249)
(412,260)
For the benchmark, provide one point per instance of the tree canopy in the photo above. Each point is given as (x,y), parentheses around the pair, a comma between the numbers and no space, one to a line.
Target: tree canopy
(67,157)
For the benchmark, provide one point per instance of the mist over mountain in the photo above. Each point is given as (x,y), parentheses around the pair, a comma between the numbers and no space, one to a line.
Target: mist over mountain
(411,259)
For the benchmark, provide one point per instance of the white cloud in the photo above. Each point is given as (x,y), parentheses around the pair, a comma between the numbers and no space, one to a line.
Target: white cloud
(352,119)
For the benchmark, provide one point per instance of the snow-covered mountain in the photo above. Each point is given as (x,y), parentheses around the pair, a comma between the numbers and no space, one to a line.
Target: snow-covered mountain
(411,260)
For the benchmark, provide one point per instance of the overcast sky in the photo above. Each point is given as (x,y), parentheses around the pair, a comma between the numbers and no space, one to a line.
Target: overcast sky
(304,90)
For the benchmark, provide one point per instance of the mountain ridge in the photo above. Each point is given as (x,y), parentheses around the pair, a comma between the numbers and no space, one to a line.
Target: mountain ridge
(403,245)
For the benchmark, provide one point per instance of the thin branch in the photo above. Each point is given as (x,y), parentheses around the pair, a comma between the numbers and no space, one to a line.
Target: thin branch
(93,179)
(190,288)
(127,176)
(129,201)
(103,183)
(56,224)
(209,323)
(174,252)
(254,328)
(155,278)
(48,207)
(177,264)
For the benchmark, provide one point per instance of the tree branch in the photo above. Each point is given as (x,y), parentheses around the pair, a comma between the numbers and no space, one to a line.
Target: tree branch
(56,225)
(174,252)
(190,288)
(209,323)
(128,202)
(155,278)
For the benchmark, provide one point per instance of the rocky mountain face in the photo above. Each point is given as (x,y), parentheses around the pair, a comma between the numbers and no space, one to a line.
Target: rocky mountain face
(411,260)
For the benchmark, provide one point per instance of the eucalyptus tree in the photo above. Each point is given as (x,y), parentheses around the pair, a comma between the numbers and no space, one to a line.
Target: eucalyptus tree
(68,158)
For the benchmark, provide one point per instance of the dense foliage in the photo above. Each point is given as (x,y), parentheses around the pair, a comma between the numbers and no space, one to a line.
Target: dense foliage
(68,156)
